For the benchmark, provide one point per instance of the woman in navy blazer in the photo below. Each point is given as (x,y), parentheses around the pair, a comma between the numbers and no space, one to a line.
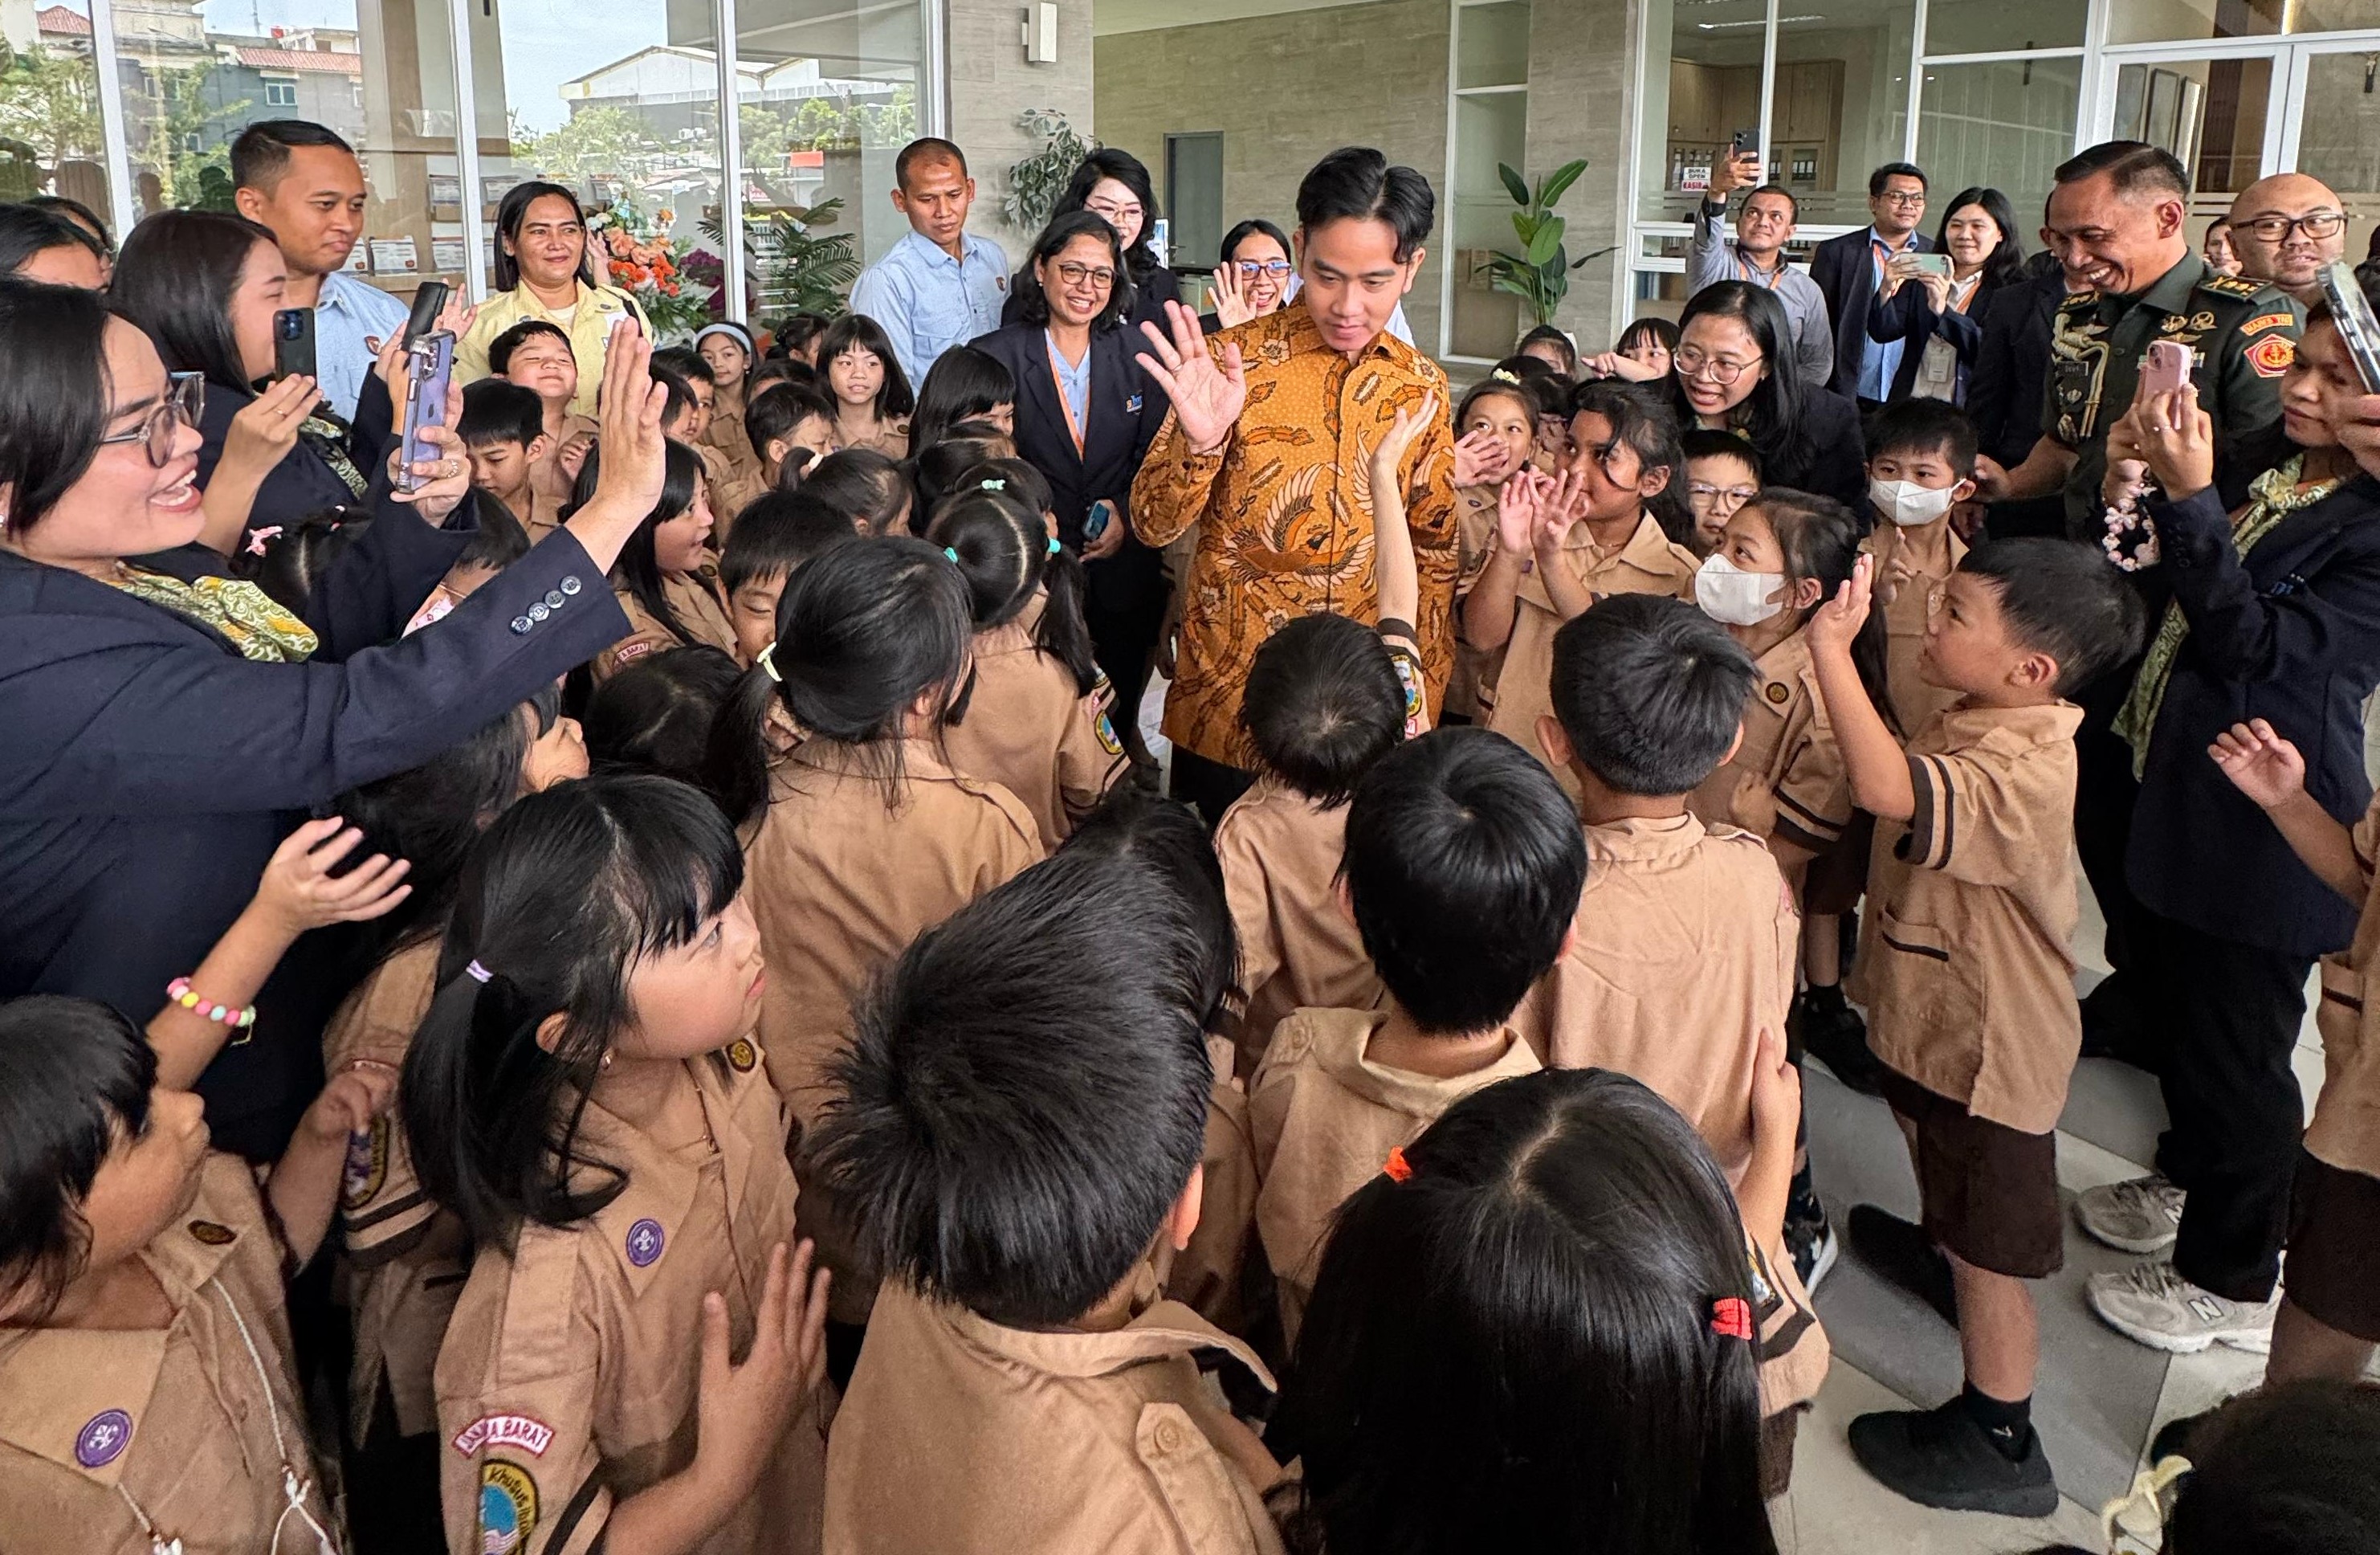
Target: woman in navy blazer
(164,730)
(1072,343)
(1979,234)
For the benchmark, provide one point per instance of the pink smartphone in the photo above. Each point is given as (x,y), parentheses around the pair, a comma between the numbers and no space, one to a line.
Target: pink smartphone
(2165,367)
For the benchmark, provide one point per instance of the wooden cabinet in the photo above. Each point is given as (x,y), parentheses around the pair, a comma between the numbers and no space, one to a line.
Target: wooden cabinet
(1710,103)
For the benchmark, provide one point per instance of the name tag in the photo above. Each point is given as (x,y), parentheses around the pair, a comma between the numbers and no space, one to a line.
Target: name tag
(1131,406)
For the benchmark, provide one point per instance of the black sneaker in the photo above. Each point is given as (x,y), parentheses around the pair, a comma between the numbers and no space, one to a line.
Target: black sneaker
(1904,1256)
(1942,1458)
(1809,1240)
(1832,1031)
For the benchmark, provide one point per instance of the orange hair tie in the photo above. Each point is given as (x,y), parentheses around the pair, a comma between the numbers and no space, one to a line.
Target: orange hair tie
(1732,1317)
(1398,1169)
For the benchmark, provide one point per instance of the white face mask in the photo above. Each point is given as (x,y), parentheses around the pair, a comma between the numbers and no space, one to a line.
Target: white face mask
(1908,503)
(1736,597)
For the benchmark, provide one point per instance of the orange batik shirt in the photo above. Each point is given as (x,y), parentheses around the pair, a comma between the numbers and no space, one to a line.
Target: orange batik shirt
(1284,514)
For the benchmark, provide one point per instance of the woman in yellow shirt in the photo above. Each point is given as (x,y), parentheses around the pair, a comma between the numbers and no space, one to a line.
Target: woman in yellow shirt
(544,271)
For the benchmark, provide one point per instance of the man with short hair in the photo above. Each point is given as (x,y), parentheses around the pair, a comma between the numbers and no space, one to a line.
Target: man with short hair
(1763,228)
(2285,229)
(1848,269)
(303,182)
(941,285)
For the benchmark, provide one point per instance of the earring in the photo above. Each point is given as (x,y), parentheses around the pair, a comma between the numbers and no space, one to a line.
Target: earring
(605,1062)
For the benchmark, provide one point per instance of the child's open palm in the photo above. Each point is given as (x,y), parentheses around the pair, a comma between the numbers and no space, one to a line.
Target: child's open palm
(1388,454)
(300,890)
(1560,507)
(1516,511)
(2260,763)
(1835,624)
(744,1408)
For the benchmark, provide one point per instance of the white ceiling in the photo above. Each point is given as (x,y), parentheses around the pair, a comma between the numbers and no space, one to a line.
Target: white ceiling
(1144,16)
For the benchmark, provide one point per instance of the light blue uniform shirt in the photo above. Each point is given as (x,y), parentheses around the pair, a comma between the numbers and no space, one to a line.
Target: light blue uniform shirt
(347,312)
(929,302)
(1075,383)
(1883,357)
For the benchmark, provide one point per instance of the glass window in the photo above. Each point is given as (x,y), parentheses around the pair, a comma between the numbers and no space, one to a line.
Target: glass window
(2339,139)
(1840,100)
(1696,97)
(49,113)
(2210,113)
(1492,48)
(1489,127)
(2327,16)
(2152,21)
(2005,124)
(1997,26)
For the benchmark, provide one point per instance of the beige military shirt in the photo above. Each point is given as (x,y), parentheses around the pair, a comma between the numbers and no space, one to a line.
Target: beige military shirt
(569,1379)
(2345,1132)
(1298,947)
(179,1436)
(961,1437)
(1206,1276)
(1323,1117)
(1787,779)
(1965,966)
(1932,552)
(1682,952)
(1028,729)
(700,610)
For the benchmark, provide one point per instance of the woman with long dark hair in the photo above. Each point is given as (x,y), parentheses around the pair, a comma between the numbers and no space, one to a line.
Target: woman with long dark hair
(546,269)
(1112,185)
(1938,319)
(1733,371)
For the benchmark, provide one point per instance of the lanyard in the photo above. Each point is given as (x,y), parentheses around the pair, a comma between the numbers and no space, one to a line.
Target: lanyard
(1880,254)
(1058,382)
(1753,272)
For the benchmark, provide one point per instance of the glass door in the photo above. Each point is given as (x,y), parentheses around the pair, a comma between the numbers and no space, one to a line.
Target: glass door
(2220,113)
(2334,127)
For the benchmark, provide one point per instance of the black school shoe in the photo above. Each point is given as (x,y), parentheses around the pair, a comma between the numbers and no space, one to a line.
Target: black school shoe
(1942,1458)
(1833,1032)
(1905,1258)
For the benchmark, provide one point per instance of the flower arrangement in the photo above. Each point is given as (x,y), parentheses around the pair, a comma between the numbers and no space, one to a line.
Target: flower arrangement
(636,253)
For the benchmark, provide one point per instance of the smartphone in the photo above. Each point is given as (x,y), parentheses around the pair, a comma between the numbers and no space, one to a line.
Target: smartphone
(429,301)
(2351,311)
(428,367)
(293,344)
(1095,523)
(1743,142)
(2165,367)
(1938,264)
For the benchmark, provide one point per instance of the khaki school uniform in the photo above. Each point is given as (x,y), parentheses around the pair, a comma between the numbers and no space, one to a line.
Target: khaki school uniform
(1324,1117)
(1787,779)
(1028,729)
(1205,1275)
(1683,951)
(695,597)
(409,1255)
(1474,668)
(570,1375)
(1647,562)
(1280,853)
(544,516)
(1794,1356)
(2334,1263)
(172,1438)
(734,467)
(890,439)
(961,1437)
(1933,551)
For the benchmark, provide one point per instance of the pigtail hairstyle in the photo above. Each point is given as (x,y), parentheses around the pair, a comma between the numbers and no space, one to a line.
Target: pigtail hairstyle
(568,890)
(75,1076)
(863,631)
(871,489)
(637,570)
(1821,539)
(1006,554)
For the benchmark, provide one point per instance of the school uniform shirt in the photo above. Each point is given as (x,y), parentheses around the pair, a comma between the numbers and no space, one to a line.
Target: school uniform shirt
(1205,1276)
(891,438)
(587,322)
(733,493)
(1787,778)
(961,1437)
(1933,551)
(569,1378)
(1280,853)
(1032,731)
(2345,1132)
(1793,1347)
(1324,1117)
(738,462)
(841,883)
(1964,966)
(544,516)
(1649,562)
(1474,668)
(1683,951)
(700,610)
(179,1436)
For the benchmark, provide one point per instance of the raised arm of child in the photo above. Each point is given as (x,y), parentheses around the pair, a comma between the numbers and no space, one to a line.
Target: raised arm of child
(297,893)
(303,1187)
(1396,579)
(1525,504)
(1572,597)
(1775,1119)
(2270,770)
(1873,759)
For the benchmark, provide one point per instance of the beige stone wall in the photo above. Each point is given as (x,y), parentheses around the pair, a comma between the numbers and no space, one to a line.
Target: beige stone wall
(990,85)
(1582,96)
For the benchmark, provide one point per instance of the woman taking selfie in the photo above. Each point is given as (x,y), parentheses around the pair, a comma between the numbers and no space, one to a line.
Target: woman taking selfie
(167,723)
(546,269)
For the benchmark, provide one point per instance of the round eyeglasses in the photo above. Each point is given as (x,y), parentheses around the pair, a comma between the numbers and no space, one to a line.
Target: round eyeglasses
(184,401)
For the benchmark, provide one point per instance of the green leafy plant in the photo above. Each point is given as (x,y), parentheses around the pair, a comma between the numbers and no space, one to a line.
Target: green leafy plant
(1539,275)
(1035,183)
(801,270)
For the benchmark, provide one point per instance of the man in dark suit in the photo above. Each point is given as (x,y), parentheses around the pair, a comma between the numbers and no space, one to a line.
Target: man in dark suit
(1848,270)
(2004,395)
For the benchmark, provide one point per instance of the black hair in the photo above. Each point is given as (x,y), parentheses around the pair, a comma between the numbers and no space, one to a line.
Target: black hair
(2060,597)
(1711,442)
(964,382)
(686,362)
(514,210)
(2005,265)
(1924,426)
(784,370)
(1006,556)
(1512,1347)
(863,631)
(1227,251)
(2132,167)
(1775,403)
(1546,334)
(175,279)
(1792,205)
(1140,259)
(858,331)
(984,431)
(1650,693)
(496,411)
(1648,428)
(1321,704)
(1875,180)
(568,890)
(655,715)
(75,1076)
(1821,539)
(1650,327)
(1357,183)
(27,230)
(797,330)
(677,394)
(259,154)
(941,468)
(1012,1136)
(1464,862)
(1018,477)
(925,148)
(294,560)
(870,489)
(500,349)
(1512,385)
(2283,1470)
(81,215)
(638,569)
(54,408)
(776,533)
(499,541)
(1033,305)
(775,412)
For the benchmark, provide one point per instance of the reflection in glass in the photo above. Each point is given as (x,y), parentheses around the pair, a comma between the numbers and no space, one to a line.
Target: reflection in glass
(2005,124)
(49,111)
(1709,90)
(2339,141)
(1997,26)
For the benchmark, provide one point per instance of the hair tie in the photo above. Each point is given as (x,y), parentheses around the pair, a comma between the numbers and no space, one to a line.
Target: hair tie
(258,539)
(767,660)
(1054,546)
(477,973)
(1505,375)
(952,554)
(1396,1168)
(992,483)
(1731,1318)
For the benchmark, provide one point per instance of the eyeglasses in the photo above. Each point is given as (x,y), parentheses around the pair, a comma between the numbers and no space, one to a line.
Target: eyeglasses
(2317,225)
(1902,197)
(1732,496)
(1076,274)
(1691,362)
(1274,268)
(185,401)
(1116,215)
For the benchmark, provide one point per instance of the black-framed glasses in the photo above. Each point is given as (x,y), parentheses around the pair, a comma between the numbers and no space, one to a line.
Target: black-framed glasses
(1252,268)
(185,401)
(1902,197)
(1078,274)
(2317,225)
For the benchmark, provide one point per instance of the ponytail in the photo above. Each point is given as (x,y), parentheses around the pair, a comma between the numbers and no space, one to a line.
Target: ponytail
(1821,539)
(1006,555)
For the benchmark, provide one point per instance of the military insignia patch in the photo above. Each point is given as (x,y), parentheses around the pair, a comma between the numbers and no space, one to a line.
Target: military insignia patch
(2270,357)
(2262,321)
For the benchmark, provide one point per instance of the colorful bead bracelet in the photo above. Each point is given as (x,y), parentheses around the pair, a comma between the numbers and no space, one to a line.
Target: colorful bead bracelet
(181,991)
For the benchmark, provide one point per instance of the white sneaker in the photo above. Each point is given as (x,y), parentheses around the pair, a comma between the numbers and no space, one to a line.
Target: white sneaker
(2151,1303)
(2140,1216)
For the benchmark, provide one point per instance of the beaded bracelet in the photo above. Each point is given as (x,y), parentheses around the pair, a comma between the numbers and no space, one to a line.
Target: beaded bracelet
(181,991)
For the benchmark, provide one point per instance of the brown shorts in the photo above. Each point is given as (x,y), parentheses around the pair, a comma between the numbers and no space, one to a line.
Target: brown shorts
(1776,1434)
(1836,878)
(1989,1192)
(2334,1269)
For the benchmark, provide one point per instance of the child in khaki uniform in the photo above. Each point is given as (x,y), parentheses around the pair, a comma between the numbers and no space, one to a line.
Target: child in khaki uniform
(583,1095)
(540,357)
(1967,979)
(503,428)
(783,531)
(1021,1142)
(664,578)
(1463,871)
(1498,409)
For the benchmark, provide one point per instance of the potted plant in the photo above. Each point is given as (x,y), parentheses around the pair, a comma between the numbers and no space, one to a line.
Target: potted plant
(1539,275)
(1035,183)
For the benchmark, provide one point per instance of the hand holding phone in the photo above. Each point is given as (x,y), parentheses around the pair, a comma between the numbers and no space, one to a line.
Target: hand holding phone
(2165,367)
(293,344)
(2351,311)
(429,301)
(1095,524)
(429,367)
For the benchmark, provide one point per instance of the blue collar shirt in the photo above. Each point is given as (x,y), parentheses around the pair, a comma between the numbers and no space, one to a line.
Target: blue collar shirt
(1883,357)
(929,302)
(348,314)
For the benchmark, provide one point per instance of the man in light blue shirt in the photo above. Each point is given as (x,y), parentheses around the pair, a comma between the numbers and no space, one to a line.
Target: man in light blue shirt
(303,181)
(941,285)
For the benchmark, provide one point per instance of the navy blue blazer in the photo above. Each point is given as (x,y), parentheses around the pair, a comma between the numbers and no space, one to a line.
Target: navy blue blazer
(1908,316)
(1844,269)
(301,483)
(2004,390)
(150,770)
(2291,634)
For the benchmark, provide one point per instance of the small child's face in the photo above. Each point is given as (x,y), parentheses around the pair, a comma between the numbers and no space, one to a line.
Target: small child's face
(728,362)
(559,755)
(811,432)
(1613,475)
(1968,647)
(697,997)
(545,366)
(678,542)
(698,419)
(1510,421)
(1929,468)
(146,1183)
(856,376)
(754,609)
(1716,486)
(1003,416)
(1548,352)
(1750,544)
(502,468)
(1649,350)
(1552,450)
